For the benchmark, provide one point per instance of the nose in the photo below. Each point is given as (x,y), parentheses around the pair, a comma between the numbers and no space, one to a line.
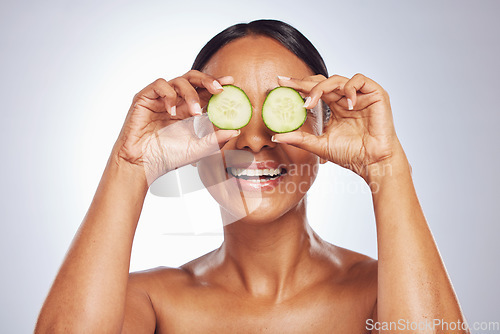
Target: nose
(255,136)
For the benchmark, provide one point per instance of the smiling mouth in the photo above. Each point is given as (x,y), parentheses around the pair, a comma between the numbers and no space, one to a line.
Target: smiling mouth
(256,175)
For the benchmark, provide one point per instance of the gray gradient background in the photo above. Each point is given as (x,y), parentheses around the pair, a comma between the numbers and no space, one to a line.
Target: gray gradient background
(69,71)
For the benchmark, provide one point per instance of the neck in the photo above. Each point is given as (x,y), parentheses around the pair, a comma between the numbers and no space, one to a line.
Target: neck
(268,258)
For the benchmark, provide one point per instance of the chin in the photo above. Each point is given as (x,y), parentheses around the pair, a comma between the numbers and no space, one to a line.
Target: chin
(258,211)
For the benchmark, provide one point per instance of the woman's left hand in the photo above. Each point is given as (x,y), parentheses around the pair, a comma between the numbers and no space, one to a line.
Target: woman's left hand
(360,132)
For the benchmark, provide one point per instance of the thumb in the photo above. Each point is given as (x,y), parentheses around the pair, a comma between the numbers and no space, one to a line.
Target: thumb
(207,145)
(224,135)
(301,139)
(211,142)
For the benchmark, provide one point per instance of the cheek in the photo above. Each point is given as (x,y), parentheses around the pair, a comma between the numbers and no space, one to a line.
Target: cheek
(304,165)
(301,156)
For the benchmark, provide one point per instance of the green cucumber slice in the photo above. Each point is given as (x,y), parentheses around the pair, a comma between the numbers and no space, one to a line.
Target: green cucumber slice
(231,109)
(283,110)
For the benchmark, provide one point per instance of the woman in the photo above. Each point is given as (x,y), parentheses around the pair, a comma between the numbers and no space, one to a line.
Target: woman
(272,273)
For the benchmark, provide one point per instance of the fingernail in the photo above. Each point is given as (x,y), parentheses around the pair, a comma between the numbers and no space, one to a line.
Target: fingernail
(173,111)
(236,134)
(217,85)
(273,139)
(197,109)
(283,78)
(349,104)
(308,101)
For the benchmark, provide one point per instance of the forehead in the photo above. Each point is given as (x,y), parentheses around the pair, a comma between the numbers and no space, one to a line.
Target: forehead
(255,62)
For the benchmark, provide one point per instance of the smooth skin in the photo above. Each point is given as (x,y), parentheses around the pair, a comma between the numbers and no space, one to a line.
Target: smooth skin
(272,273)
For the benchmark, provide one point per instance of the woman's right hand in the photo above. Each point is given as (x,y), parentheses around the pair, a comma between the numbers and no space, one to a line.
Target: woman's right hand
(159,132)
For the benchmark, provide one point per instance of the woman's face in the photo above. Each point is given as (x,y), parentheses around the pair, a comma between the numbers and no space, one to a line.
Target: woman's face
(255,63)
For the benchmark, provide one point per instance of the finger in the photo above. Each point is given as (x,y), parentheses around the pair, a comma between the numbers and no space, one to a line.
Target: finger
(332,97)
(300,85)
(212,142)
(363,101)
(159,89)
(200,79)
(358,83)
(317,78)
(187,92)
(313,78)
(303,86)
(331,86)
(223,136)
(227,80)
(303,140)
(205,95)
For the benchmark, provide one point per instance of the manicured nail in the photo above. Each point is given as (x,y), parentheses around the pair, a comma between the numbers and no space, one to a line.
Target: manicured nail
(197,109)
(236,134)
(173,111)
(217,85)
(349,104)
(273,139)
(308,101)
(283,78)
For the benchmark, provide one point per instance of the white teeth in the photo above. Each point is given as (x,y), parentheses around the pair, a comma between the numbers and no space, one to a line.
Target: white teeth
(255,172)
(257,180)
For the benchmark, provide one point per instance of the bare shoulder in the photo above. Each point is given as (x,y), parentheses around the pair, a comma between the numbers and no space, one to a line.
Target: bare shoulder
(142,303)
(163,280)
(357,263)
(354,280)
(168,286)
(157,276)
(352,267)
(173,297)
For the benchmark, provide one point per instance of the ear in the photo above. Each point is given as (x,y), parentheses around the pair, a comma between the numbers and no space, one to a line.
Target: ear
(329,122)
(331,116)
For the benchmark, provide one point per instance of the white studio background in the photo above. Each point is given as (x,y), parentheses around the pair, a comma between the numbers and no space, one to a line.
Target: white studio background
(69,72)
